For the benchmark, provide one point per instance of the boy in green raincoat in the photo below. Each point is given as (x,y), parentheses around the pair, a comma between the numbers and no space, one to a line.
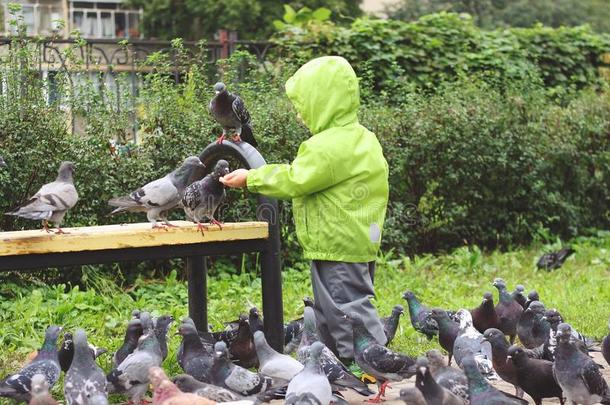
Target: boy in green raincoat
(338,183)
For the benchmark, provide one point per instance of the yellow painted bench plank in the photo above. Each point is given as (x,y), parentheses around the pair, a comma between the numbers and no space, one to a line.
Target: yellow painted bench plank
(124,236)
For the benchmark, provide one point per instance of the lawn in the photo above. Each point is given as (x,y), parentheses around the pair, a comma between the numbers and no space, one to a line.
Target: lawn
(580,290)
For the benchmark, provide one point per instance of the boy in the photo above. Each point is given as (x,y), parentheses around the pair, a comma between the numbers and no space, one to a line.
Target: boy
(338,183)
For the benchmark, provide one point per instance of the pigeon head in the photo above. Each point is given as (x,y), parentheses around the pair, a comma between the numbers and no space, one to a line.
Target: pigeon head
(192,161)
(67,340)
(533,296)
(465,318)
(259,339)
(220,350)
(135,314)
(316,350)
(221,168)
(219,87)
(517,355)
(519,289)
(163,323)
(408,295)
(536,307)
(66,171)
(421,365)
(134,327)
(438,314)
(254,312)
(553,317)
(52,333)
(488,297)
(80,342)
(39,385)
(500,284)
(308,301)
(435,359)
(495,337)
(564,332)
(187,329)
(146,320)
(398,310)
(186,383)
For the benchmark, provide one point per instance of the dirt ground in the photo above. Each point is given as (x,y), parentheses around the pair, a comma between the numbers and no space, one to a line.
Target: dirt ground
(392,394)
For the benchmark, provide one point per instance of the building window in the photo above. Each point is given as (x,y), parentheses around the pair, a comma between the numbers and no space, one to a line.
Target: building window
(105,20)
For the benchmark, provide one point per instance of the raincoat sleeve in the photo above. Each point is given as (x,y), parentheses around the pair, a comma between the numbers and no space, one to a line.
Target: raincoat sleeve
(308,174)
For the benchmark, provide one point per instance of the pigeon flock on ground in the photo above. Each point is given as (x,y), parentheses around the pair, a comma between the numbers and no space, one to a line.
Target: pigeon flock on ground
(158,197)
(237,365)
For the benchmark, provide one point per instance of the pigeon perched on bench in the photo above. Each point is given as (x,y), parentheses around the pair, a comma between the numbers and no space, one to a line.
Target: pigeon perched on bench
(202,198)
(52,201)
(85,382)
(158,197)
(230,112)
(17,386)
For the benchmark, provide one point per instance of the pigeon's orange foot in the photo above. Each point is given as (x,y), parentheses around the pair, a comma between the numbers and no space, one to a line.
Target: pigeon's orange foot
(170,225)
(220,139)
(375,400)
(160,226)
(201,227)
(60,231)
(384,386)
(236,138)
(215,222)
(45,226)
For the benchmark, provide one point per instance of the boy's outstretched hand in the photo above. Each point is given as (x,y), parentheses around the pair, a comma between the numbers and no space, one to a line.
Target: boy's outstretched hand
(235,179)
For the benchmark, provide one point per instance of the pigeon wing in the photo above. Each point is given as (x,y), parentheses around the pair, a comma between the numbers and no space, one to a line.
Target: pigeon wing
(594,380)
(158,193)
(385,360)
(239,108)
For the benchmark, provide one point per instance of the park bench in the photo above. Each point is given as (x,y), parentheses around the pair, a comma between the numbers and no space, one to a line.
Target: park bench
(35,249)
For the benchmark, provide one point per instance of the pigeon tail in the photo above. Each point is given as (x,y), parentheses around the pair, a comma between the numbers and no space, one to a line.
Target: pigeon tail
(122,202)
(247,135)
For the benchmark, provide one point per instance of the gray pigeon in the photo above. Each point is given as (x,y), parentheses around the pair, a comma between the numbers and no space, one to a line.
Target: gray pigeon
(236,378)
(311,383)
(202,198)
(471,341)
(531,297)
(66,352)
(448,377)
(162,325)
(187,383)
(554,318)
(158,197)
(131,376)
(433,392)
(532,329)
(481,393)
(377,360)
(130,342)
(412,396)
(390,324)
(194,357)
(17,386)
(336,372)
(85,382)
(519,296)
(52,201)
(230,111)
(577,374)
(272,363)
(40,391)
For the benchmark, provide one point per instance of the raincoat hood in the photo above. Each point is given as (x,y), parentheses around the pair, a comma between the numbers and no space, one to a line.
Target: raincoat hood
(325,93)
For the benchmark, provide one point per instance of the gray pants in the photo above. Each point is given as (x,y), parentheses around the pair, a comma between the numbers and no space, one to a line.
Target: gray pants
(340,288)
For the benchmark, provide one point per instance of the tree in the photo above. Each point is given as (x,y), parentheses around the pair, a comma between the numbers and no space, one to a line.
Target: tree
(196,19)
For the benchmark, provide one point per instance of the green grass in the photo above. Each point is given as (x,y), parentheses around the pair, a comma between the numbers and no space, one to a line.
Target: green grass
(580,290)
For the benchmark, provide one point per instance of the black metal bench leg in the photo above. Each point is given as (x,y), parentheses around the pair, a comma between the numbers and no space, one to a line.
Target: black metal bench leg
(197,273)
(271,278)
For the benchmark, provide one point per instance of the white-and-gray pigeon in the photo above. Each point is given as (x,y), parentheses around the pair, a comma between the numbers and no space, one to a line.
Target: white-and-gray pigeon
(18,385)
(52,201)
(230,112)
(85,382)
(310,386)
(131,376)
(470,340)
(158,197)
(272,363)
(202,198)
(40,391)
(577,374)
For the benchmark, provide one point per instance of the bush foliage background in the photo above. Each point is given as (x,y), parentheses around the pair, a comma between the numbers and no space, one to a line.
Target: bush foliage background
(489,139)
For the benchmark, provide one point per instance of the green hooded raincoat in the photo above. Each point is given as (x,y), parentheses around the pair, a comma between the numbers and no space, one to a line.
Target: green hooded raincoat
(338,181)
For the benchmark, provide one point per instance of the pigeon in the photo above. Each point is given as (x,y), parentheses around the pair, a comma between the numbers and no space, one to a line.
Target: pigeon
(66,352)
(577,374)
(274,364)
(534,376)
(554,318)
(166,392)
(187,383)
(202,198)
(52,201)
(484,316)
(130,342)
(40,391)
(390,324)
(448,330)
(294,330)
(471,341)
(508,310)
(311,381)
(238,379)
(242,349)
(131,376)
(377,360)
(254,320)
(518,295)
(158,197)
(196,360)
(499,348)
(531,297)
(432,391)
(336,372)
(162,325)
(17,386)
(448,377)
(554,260)
(230,112)
(85,382)
(481,393)
(606,346)
(412,396)
(532,330)
(420,316)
